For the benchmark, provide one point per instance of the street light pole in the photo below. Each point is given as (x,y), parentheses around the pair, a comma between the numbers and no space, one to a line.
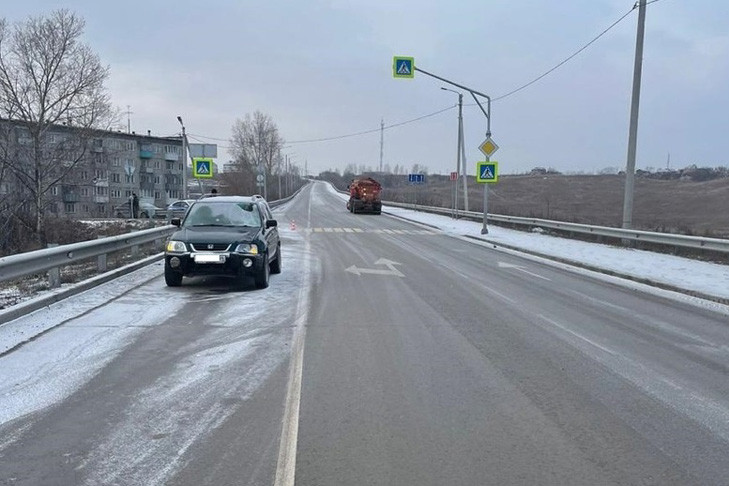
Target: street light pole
(487,114)
(184,159)
(458,148)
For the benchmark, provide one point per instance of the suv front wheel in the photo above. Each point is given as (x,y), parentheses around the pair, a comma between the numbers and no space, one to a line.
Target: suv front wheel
(172,278)
(261,277)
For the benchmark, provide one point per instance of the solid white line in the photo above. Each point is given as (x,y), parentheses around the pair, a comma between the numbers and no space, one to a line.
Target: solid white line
(579,336)
(286,466)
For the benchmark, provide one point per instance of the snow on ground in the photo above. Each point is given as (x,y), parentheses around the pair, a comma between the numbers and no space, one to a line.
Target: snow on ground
(684,273)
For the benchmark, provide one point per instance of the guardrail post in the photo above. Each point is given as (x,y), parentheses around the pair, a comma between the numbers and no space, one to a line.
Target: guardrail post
(157,245)
(135,251)
(101,260)
(54,274)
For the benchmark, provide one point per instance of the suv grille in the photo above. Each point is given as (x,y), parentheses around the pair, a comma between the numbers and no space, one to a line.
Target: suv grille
(209,246)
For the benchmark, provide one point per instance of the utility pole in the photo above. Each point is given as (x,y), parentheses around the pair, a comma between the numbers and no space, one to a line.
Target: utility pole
(184,159)
(633,130)
(382,140)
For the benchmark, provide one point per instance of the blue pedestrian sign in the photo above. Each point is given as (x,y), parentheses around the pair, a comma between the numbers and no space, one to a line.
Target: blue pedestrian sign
(202,167)
(403,67)
(416,178)
(487,172)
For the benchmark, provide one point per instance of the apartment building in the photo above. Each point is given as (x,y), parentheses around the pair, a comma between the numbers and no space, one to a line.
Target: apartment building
(100,169)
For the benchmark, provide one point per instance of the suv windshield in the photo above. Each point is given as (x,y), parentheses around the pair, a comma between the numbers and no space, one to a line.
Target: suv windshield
(223,214)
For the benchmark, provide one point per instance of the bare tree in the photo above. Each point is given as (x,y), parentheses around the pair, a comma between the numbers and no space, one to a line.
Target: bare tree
(256,142)
(49,78)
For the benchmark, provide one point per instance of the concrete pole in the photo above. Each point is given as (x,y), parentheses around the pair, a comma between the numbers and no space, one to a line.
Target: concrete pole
(464,166)
(184,159)
(382,140)
(633,130)
(458,147)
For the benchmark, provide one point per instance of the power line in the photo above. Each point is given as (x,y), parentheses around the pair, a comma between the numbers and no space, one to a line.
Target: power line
(339,137)
(512,92)
(566,60)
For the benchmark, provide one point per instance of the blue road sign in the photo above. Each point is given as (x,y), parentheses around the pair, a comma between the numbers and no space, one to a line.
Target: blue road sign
(416,178)
(202,167)
(403,67)
(487,172)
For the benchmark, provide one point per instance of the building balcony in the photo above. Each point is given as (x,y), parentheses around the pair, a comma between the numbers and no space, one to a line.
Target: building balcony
(172,156)
(101,182)
(146,154)
(101,199)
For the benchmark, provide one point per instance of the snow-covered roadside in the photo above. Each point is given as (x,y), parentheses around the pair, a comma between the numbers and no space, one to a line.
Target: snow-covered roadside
(683,273)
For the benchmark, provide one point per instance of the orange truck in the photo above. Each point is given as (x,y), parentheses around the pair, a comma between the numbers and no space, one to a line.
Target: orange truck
(364,196)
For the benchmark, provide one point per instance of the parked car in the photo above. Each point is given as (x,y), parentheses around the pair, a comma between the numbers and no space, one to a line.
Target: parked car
(146,210)
(230,236)
(178,209)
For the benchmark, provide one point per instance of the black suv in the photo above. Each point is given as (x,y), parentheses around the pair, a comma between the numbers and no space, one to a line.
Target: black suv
(225,235)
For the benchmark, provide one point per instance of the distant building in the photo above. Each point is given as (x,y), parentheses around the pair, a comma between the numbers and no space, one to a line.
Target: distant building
(110,167)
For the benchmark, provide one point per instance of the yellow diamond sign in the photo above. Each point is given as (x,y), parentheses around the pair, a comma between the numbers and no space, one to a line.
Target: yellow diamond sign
(488,147)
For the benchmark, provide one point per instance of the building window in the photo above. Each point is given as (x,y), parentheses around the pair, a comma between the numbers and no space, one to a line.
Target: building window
(84,175)
(129,193)
(86,208)
(54,190)
(101,191)
(116,177)
(100,174)
(157,195)
(84,191)
(129,179)
(115,193)
(116,162)
(101,208)
(156,179)
(70,208)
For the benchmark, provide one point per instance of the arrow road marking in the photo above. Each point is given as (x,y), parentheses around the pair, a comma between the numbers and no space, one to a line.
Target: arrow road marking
(522,269)
(391,269)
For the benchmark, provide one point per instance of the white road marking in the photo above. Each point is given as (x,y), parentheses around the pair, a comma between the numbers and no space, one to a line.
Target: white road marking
(392,271)
(580,336)
(521,269)
(286,465)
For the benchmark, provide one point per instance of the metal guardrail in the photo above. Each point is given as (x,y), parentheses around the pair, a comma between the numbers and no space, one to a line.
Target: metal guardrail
(50,259)
(668,239)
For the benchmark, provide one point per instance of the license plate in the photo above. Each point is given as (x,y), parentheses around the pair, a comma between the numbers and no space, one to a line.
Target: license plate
(209,258)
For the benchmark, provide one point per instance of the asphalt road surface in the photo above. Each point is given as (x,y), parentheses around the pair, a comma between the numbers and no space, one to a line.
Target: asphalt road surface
(386,353)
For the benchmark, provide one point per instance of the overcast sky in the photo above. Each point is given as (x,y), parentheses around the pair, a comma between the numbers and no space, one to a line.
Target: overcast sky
(323,68)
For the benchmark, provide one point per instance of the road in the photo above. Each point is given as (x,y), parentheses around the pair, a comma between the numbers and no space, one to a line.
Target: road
(385,353)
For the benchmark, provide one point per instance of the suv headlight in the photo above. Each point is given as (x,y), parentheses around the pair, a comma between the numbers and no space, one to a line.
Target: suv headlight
(176,247)
(251,248)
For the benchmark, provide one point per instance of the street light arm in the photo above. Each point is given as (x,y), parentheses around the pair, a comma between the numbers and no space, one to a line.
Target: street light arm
(472,91)
(487,113)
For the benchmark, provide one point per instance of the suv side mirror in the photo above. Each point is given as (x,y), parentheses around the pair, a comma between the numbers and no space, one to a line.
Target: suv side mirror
(175,221)
(270,223)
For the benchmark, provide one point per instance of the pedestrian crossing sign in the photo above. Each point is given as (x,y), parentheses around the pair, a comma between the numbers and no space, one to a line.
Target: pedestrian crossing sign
(403,67)
(487,172)
(202,168)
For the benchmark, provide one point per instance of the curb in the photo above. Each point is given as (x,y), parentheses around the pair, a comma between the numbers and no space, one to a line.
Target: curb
(34,304)
(574,263)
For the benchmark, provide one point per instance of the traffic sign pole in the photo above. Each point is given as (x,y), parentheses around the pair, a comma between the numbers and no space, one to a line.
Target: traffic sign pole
(485,228)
